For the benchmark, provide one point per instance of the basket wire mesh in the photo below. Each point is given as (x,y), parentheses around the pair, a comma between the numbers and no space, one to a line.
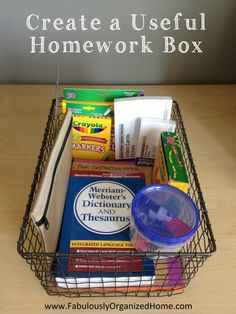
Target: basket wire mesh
(46,265)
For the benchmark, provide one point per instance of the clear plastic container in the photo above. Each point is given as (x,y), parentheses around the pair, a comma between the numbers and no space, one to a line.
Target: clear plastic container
(163,218)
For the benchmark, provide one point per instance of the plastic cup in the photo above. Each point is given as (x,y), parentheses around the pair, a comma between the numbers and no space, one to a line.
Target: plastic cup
(163,218)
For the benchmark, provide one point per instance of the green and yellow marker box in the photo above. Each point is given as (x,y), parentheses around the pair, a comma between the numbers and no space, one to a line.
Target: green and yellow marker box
(89,108)
(103,95)
(169,167)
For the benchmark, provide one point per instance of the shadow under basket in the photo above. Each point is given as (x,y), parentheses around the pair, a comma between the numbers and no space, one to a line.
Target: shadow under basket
(172,272)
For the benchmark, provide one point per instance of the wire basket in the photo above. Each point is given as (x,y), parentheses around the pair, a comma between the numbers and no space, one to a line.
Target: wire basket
(173,271)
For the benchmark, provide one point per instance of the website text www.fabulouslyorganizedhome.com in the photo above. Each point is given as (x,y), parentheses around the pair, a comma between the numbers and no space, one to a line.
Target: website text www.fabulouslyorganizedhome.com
(121,307)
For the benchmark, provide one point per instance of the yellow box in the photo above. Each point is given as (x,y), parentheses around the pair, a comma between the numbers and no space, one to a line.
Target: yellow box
(169,167)
(91,137)
(89,108)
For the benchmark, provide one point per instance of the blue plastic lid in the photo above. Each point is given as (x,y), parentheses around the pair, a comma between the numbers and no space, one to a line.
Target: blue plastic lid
(164,214)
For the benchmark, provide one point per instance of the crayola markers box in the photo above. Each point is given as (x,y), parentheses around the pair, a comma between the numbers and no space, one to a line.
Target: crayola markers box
(93,109)
(169,167)
(91,137)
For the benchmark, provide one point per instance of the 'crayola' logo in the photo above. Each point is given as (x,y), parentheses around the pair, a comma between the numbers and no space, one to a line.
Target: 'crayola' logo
(87,124)
(88,127)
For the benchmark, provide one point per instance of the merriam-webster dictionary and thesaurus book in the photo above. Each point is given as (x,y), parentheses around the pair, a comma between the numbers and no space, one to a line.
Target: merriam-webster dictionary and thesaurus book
(96,220)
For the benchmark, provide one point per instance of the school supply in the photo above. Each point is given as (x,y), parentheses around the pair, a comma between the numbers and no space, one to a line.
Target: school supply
(169,167)
(112,168)
(99,94)
(163,219)
(91,137)
(100,103)
(150,130)
(89,108)
(96,219)
(48,206)
(127,112)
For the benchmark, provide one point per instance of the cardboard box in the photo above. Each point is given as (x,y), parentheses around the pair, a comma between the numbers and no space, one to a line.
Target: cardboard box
(91,137)
(82,94)
(169,167)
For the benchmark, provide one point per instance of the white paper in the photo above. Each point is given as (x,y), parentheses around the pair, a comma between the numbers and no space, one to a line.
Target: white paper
(127,111)
(150,135)
(100,282)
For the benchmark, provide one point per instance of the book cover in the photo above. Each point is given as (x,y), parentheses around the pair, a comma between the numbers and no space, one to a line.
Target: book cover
(112,167)
(96,225)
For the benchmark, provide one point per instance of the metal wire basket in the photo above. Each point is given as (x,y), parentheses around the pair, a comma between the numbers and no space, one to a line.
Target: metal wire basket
(173,271)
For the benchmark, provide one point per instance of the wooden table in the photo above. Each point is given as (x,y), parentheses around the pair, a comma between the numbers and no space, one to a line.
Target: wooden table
(209,113)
